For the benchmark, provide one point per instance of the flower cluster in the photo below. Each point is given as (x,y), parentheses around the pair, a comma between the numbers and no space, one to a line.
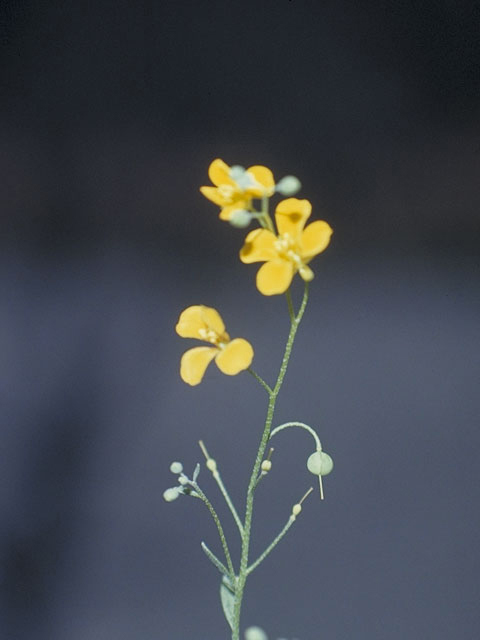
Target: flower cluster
(236,187)
(286,248)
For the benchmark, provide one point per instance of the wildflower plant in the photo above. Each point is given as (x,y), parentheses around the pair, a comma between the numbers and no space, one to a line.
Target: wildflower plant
(285,244)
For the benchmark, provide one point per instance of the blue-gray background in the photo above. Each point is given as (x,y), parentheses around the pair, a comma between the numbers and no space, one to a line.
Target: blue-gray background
(110,115)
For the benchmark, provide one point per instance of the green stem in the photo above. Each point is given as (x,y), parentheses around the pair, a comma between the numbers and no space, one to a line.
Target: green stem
(273,544)
(266,216)
(243,572)
(298,424)
(291,311)
(228,500)
(260,380)
(216,519)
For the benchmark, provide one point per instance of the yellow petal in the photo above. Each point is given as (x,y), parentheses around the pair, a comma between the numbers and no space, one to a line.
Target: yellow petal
(291,215)
(274,277)
(198,317)
(235,357)
(219,172)
(194,363)
(213,320)
(213,194)
(259,245)
(315,238)
(265,179)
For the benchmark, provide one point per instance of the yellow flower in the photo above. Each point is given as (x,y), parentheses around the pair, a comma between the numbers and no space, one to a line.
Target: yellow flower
(290,251)
(205,323)
(235,187)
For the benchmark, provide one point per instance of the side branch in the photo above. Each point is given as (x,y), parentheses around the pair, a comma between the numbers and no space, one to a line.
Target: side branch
(271,546)
(266,386)
(216,519)
(212,466)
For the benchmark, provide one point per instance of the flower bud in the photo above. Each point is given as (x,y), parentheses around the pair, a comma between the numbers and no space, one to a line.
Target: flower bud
(171,494)
(240,218)
(211,464)
(183,480)
(288,186)
(176,467)
(236,172)
(255,633)
(320,463)
(266,465)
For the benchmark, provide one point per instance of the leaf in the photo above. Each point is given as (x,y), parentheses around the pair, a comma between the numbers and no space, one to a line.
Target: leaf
(228,600)
(213,558)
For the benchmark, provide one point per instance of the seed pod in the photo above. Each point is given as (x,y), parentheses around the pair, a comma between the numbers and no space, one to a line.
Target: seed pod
(266,465)
(320,463)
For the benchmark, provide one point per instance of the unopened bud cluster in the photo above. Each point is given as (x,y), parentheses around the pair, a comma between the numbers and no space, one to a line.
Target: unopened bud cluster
(184,488)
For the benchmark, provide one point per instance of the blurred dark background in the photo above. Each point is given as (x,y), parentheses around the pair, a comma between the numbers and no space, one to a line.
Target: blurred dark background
(110,114)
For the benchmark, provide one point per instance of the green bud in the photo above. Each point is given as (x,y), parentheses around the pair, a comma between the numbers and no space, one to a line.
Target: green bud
(176,467)
(240,218)
(255,633)
(288,186)
(320,463)
(171,494)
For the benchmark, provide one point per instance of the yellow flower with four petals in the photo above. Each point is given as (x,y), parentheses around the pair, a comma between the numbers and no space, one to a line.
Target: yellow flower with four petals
(236,187)
(290,251)
(205,323)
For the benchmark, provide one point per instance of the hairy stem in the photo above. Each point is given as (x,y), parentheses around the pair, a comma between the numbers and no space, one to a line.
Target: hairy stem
(273,394)
(216,519)
(271,546)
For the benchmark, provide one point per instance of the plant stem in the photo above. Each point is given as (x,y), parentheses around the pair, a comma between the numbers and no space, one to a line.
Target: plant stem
(219,481)
(273,544)
(260,380)
(216,519)
(228,500)
(243,572)
(298,424)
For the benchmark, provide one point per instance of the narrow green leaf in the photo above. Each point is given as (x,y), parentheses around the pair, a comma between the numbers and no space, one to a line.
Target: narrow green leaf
(227,598)
(214,560)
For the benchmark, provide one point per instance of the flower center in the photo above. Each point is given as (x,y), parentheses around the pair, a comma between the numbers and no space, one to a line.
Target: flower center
(228,191)
(287,248)
(209,335)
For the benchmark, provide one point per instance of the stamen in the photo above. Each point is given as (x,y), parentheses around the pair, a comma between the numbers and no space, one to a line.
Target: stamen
(209,335)
(226,191)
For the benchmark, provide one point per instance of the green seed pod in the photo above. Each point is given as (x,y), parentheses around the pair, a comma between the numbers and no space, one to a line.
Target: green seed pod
(211,464)
(320,463)
(296,509)
(266,466)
